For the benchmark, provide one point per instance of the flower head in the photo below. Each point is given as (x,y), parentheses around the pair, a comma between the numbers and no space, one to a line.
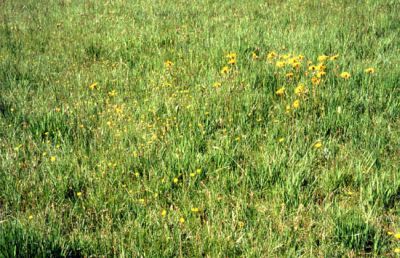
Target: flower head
(280,64)
(300,90)
(369,70)
(323,58)
(280,91)
(296,104)
(318,144)
(93,86)
(225,70)
(345,75)
(168,64)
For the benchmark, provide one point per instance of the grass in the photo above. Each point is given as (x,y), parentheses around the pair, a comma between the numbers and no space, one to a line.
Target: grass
(108,149)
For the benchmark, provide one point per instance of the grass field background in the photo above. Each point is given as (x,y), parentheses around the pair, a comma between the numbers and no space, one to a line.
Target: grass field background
(199,128)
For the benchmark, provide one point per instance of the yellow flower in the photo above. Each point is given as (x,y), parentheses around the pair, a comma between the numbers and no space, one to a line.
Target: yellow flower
(322,58)
(280,64)
(345,75)
(217,84)
(390,233)
(318,144)
(321,74)
(271,55)
(168,64)
(198,171)
(192,174)
(312,68)
(225,70)
(281,139)
(300,90)
(332,58)
(397,250)
(231,55)
(93,86)
(296,65)
(181,220)
(30,217)
(315,80)
(176,180)
(296,104)
(112,93)
(52,158)
(369,70)
(280,91)
(397,235)
(79,194)
(164,213)
(289,75)
(232,61)
(254,55)
(287,109)
(241,224)
(321,67)
(195,209)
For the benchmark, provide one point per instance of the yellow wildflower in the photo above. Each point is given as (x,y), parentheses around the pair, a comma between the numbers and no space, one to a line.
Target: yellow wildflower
(52,158)
(181,220)
(345,75)
(231,55)
(281,139)
(30,217)
(312,68)
(315,80)
(289,75)
(79,194)
(241,224)
(175,180)
(280,64)
(217,84)
(321,74)
(323,58)
(397,235)
(195,209)
(280,91)
(369,70)
(332,58)
(225,70)
(396,250)
(198,171)
(112,93)
(318,144)
(296,104)
(272,55)
(321,67)
(232,61)
(93,86)
(287,109)
(164,213)
(300,90)
(168,64)
(254,56)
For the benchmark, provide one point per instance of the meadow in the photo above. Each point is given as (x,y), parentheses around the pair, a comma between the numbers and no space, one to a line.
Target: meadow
(199,128)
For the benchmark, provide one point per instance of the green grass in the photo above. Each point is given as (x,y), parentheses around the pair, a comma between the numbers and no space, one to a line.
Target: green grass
(114,170)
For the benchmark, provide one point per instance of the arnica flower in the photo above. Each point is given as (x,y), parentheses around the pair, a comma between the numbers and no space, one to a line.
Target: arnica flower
(231,55)
(369,70)
(396,250)
(280,64)
(52,158)
(280,91)
(345,75)
(112,93)
(176,180)
(300,57)
(93,86)
(296,104)
(30,217)
(289,75)
(164,213)
(281,139)
(397,235)
(300,90)
(321,67)
(232,61)
(318,144)
(195,209)
(334,57)
(217,84)
(271,55)
(321,74)
(296,65)
(181,220)
(168,64)
(287,109)
(315,80)
(225,70)
(254,56)
(79,194)
(323,58)
(312,68)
